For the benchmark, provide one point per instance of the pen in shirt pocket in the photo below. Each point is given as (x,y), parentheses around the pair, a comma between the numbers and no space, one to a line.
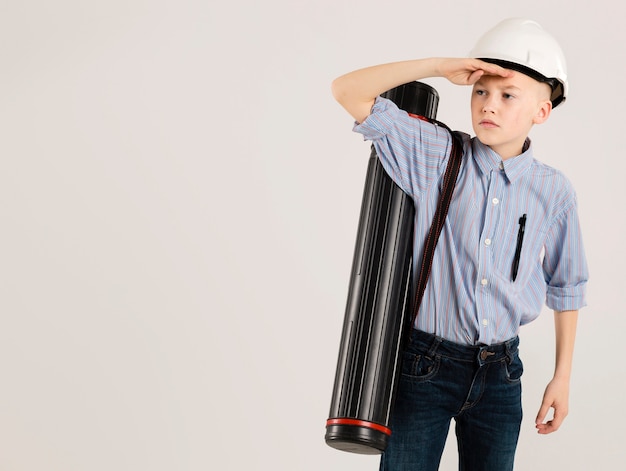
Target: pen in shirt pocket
(518,247)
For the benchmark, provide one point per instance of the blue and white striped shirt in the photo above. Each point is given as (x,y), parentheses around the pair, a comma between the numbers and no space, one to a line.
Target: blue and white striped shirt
(471,297)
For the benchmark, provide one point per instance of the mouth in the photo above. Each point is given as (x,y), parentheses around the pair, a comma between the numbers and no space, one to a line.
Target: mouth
(486,123)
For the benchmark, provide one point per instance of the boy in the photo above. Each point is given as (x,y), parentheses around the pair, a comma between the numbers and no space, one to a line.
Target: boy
(511,242)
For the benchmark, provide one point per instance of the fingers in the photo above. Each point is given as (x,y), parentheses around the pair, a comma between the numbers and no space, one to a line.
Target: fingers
(468,71)
(493,69)
(542,426)
(475,76)
(546,427)
(543,412)
(549,427)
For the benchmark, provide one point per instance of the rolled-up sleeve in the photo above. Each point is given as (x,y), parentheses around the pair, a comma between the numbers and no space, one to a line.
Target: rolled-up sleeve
(565,264)
(412,151)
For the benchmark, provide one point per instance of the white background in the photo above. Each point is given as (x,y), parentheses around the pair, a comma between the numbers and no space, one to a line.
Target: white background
(179,197)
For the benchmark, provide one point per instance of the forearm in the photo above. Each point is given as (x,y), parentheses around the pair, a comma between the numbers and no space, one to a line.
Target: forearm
(556,395)
(364,85)
(565,330)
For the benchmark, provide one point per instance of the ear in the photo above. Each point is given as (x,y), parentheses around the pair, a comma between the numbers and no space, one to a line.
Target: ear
(543,112)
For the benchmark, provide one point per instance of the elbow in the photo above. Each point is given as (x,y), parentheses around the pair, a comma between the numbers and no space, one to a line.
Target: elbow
(346,94)
(338,89)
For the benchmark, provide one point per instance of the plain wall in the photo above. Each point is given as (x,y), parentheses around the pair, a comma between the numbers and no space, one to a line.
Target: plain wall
(179,198)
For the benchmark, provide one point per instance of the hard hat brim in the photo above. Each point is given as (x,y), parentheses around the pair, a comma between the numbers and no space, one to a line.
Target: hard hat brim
(557,97)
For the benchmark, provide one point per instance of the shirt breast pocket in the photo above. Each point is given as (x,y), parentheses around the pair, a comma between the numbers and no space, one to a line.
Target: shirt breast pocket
(505,249)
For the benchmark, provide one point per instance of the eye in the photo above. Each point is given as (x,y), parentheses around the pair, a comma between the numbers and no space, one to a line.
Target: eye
(480,92)
(507,96)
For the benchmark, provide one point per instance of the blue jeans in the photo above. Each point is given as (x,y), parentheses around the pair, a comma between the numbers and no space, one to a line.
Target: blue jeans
(478,386)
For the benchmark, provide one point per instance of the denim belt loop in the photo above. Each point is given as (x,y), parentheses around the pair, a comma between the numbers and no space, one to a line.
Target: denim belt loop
(511,348)
(435,345)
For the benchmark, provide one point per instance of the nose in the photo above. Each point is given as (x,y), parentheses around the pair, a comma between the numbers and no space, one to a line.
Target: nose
(488,105)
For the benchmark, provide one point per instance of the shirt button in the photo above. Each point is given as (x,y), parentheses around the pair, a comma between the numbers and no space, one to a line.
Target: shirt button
(501,165)
(487,241)
(495,201)
(484,282)
(485,322)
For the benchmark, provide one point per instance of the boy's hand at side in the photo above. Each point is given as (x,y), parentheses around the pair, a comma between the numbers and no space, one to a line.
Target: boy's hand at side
(556,397)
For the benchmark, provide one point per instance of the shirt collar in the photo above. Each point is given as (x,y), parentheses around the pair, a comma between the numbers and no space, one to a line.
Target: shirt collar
(513,168)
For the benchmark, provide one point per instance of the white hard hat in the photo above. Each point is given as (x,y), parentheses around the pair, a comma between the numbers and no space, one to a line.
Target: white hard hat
(523,45)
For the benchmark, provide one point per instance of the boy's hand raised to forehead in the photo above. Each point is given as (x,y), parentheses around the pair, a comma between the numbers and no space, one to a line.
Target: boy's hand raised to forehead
(464,71)
(357,91)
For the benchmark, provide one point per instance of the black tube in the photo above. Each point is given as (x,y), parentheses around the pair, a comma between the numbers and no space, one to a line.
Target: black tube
(379,305)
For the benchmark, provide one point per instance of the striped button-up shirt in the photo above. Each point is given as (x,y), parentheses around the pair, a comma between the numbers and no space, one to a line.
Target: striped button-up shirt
(472,296)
